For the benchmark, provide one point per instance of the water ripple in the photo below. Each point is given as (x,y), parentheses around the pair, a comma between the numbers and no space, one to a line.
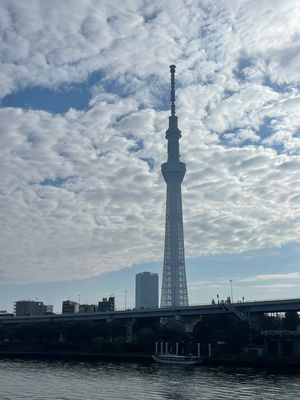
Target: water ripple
(58,380)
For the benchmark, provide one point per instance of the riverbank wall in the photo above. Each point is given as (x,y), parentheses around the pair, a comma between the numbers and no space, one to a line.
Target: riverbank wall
(234,361)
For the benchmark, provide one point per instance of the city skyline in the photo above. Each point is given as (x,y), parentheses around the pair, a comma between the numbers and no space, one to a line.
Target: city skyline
(84,107)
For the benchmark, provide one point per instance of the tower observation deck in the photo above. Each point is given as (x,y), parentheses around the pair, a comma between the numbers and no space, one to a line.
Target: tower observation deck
(174,288)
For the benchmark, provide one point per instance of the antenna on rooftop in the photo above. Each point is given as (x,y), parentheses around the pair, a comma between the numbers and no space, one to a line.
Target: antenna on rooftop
(172,70)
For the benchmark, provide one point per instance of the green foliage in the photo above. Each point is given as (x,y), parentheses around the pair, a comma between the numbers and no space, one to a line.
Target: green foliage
(290,321)
(84,330)
(98,343)
(270,322)
(146,335)
(222,329)
(147,323)
(119,344)
(111,336)
(172,331)
(116,328)
(31,332)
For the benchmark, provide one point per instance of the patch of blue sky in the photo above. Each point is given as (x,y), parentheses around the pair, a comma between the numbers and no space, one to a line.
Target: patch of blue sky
(240,73)
(159,92)
(228,93)
(226,138)
(297,133)
(149,161)
(265,131)
(149,15)
(281,260)
(116,87)
(57,182)
(137,144)
(58,100)
(243,63)
(277,87)
(279,266)
(276,260)
(91,290)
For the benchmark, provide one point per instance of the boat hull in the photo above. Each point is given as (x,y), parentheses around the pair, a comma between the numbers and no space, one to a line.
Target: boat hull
(173,359)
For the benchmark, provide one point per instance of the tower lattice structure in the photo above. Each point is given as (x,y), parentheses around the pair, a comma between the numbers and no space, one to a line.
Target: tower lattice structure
(174,287)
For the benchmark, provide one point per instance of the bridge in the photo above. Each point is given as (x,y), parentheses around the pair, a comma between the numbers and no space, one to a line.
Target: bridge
(244,310)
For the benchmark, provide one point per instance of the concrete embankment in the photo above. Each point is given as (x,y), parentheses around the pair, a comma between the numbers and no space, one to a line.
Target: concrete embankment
(241,360)
(75,355)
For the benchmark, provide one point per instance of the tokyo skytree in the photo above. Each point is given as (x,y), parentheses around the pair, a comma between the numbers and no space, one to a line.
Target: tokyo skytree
(174,288)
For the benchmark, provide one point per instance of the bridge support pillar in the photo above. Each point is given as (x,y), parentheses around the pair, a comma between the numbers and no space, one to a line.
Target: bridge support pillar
(266,347)
(279,346)
(295,347)
(189,324)
(129,330)
(61,338)
(108,322)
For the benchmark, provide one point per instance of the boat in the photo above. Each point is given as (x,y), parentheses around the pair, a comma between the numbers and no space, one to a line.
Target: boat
(165,357)
(176,359)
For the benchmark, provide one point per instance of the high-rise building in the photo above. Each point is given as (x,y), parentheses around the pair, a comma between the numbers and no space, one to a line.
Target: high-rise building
(31,307)
(87,308)
(174,287)
(146,290)
(47,309)
(69,306)
(106,304)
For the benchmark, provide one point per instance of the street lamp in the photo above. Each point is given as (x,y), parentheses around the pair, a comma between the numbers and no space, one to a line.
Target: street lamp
(125,299)
(231,291)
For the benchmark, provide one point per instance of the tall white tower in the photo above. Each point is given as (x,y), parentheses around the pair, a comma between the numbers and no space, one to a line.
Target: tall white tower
(174,288)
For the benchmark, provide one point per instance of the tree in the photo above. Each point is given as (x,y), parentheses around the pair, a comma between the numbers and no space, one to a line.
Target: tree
(291,320)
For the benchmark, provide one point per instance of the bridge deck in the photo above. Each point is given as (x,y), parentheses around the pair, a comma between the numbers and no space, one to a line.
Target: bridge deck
(249,307)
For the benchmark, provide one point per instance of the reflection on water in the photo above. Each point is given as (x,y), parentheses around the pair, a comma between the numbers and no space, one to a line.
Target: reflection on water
(58,380)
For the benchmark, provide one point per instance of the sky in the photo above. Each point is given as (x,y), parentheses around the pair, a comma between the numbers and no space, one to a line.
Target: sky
(84,106)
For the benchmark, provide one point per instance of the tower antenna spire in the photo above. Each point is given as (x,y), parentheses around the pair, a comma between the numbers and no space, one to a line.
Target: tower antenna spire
(172,70)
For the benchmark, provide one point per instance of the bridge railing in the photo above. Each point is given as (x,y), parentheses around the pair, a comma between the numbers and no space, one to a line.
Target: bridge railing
(282,300)
(155,310)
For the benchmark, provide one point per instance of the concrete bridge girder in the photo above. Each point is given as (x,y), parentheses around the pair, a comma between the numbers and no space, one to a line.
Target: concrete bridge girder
(258,307)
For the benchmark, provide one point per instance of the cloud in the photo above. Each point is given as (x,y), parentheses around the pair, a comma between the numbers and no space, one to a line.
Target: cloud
(212,284)
(275,286)
(272,277)
(81,191)
(242,284)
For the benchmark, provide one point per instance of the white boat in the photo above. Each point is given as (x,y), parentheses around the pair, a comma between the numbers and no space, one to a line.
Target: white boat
(175,359)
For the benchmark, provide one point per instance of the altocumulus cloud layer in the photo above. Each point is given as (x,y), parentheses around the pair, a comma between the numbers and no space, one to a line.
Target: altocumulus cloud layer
(81,191)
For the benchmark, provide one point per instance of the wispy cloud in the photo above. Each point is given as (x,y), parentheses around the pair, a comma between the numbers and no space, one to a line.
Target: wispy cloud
(250,281)
(205,284)
(272,277)
(275,286)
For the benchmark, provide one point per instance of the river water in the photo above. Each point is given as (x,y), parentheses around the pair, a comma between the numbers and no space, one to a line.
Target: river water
(70,380)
